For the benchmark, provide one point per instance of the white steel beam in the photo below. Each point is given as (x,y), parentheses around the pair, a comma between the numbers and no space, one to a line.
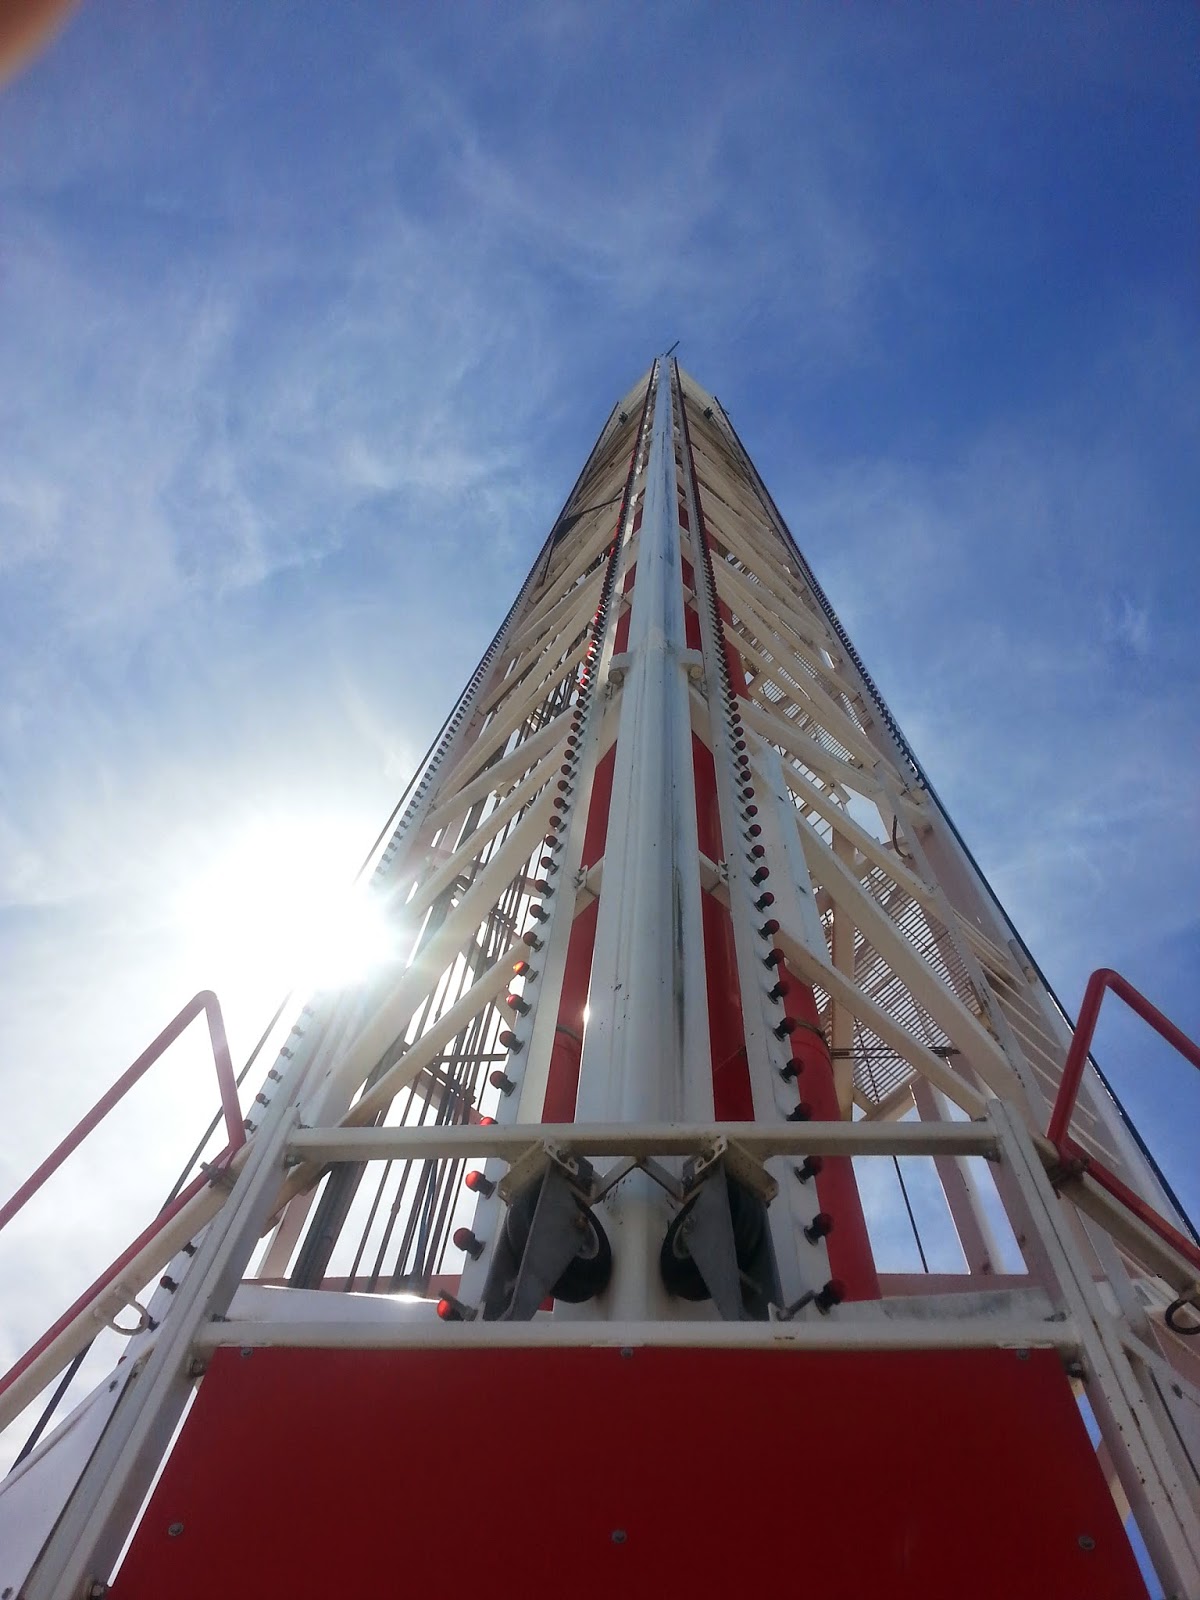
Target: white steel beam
(560,630)
(804,747)
(835,1333)
(971,1222)
(506,722)
(330,1097)
(468,1141)
(510,768)
(942,1004)
(881,1023)
(646,1050)
(445,872)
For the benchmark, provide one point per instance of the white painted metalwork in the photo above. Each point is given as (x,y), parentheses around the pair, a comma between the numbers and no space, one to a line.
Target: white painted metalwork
(386,1096)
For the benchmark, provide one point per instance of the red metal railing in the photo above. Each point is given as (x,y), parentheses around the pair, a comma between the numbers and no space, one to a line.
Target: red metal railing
(1068,1091)
(207,1003)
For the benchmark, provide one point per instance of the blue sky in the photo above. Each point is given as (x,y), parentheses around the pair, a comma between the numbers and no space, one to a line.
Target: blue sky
(308,317)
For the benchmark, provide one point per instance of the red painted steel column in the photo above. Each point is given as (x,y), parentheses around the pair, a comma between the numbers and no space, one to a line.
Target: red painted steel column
(851,1259)
(733,1100)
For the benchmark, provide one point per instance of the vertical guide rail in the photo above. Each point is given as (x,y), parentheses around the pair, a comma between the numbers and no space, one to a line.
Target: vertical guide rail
(646,1051)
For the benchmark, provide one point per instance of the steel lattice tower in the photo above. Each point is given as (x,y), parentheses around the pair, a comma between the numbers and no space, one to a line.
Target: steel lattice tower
(541,1265)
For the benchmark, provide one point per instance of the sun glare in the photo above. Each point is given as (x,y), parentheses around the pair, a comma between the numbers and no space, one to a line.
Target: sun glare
(274,910)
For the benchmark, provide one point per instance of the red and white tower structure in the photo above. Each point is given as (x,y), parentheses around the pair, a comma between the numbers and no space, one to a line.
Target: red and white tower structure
(540,1263)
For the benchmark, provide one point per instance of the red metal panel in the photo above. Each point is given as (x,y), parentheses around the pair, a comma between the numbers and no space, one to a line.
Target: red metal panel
(708,811)
(591,1473)
(596,831)
(691,627)
(562,1085)
(733,1099)
(621,637)
(851,1259)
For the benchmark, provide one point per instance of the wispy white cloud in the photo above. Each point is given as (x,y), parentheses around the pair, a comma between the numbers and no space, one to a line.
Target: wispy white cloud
(1126,622)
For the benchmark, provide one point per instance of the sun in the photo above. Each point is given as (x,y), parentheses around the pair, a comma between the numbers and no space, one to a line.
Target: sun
(273,908)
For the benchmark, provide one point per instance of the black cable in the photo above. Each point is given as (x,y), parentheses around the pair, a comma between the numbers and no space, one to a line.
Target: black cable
(864,1054)
(566,523)
(912,1221)
(52,1405)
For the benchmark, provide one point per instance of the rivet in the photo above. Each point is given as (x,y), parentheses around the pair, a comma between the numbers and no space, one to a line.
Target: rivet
(1086,1542)
(618,1536)
(174,1530)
